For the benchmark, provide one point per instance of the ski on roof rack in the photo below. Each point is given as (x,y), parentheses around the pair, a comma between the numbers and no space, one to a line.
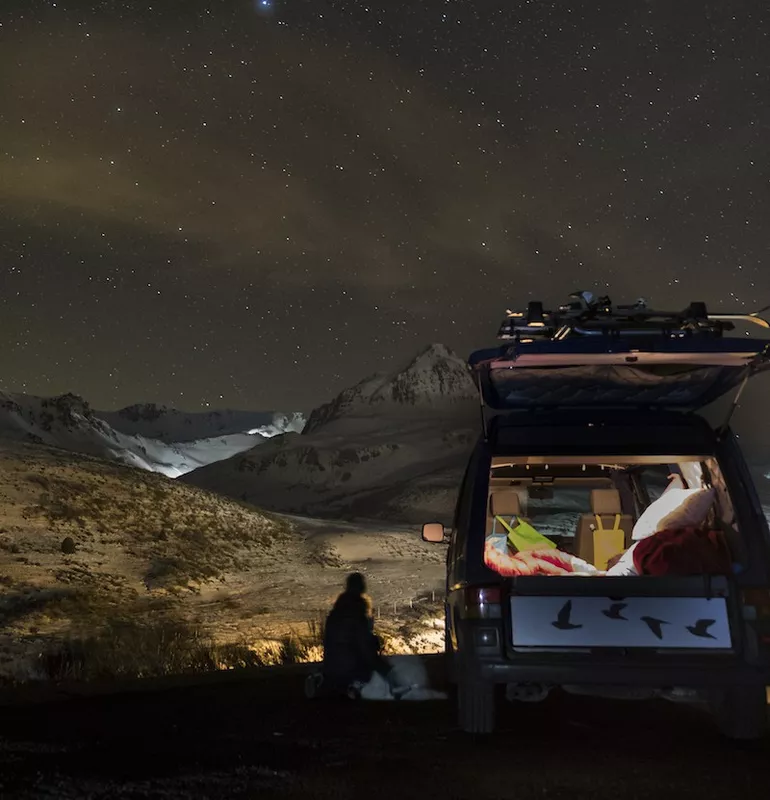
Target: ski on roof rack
(589,315)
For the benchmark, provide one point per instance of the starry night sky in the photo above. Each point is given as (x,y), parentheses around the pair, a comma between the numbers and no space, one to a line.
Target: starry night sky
(254,204)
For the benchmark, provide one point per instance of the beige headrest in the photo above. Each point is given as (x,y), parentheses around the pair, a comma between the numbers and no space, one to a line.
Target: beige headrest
(605,501)
(504,504)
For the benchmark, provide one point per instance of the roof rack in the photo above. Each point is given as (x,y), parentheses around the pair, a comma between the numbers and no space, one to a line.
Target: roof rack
(589,315)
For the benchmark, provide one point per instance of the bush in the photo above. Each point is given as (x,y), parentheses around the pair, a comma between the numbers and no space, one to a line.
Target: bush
(292,650)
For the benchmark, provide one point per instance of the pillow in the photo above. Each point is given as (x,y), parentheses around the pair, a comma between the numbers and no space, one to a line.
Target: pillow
(625,564)
(675,508)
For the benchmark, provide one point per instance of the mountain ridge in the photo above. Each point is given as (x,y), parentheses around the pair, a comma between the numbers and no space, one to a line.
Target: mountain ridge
(68,422)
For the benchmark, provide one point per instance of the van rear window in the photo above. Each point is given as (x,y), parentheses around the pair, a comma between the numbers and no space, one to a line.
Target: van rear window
(597,516)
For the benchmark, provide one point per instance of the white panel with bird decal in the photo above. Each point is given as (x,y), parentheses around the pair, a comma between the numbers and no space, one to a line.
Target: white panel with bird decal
(660,622)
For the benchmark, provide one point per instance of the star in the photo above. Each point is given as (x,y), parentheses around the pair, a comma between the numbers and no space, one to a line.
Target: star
(264,7)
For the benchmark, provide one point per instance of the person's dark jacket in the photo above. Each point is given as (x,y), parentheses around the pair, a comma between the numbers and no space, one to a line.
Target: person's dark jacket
(350,647)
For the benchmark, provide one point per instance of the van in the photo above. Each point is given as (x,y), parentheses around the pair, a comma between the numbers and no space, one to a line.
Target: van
(607,536)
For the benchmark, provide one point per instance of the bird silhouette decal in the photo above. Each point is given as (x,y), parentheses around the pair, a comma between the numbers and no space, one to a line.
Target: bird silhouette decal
(701,628)
(563,622)
(614,611)
(655,625)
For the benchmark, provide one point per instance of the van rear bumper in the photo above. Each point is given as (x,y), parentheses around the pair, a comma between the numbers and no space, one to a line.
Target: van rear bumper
(652,676)
(481,653)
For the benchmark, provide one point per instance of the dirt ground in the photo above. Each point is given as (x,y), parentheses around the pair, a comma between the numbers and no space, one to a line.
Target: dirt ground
(255,735)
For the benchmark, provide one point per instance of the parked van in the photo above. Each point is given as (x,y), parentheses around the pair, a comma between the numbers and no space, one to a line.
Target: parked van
(606,534)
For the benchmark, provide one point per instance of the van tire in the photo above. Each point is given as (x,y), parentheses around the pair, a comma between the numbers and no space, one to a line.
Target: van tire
(741,712)
(475,704)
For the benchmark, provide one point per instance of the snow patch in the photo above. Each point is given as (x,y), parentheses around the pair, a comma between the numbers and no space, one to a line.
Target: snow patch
(407,671)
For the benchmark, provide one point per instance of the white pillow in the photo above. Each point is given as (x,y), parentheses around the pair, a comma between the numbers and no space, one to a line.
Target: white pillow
(624,565)
(675,508)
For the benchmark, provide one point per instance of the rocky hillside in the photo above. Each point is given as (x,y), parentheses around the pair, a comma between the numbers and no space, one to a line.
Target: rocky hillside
(85,543)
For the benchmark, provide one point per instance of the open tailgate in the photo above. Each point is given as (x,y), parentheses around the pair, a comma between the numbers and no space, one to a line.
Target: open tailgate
(686,614)
(685,374)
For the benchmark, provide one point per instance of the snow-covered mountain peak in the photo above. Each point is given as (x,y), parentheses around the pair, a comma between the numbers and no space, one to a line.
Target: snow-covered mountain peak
(435,375)
(435,379)
(147,412)
(66,414)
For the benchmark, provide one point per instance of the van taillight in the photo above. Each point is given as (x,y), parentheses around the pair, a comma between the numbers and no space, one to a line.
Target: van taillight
(482,602)
(758,600)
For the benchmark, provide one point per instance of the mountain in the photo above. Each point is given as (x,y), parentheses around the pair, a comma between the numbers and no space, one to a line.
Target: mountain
(68,422)
(173,426)
(393,446)
(436,380)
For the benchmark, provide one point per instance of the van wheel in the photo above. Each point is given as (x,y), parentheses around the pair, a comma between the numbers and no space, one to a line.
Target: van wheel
(740,711)
(475,705)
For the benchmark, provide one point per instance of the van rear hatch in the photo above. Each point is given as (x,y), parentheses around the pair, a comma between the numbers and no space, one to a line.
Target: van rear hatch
(682,374)
(688,614)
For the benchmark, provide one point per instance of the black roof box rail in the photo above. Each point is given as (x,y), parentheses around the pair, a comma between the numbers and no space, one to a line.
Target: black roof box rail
(589,315)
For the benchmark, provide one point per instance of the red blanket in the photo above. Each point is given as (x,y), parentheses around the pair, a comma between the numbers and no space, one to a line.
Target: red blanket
(683,551)
(530,562)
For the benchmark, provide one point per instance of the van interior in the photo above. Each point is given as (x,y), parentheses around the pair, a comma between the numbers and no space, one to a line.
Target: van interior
(596,516)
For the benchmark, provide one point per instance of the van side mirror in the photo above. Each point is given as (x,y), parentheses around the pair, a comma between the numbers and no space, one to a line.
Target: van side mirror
(433,532)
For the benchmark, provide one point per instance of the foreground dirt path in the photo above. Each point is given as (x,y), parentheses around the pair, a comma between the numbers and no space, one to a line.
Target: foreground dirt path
(256,736)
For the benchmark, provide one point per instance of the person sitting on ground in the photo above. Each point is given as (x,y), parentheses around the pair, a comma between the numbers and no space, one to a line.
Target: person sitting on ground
(351,648)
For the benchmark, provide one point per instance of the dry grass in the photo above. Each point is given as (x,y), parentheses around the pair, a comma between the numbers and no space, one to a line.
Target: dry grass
(187,535)
(86,508)
(125,648)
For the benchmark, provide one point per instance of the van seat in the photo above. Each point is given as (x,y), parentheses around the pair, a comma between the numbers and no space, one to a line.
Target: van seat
(504,503)
(605,504)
